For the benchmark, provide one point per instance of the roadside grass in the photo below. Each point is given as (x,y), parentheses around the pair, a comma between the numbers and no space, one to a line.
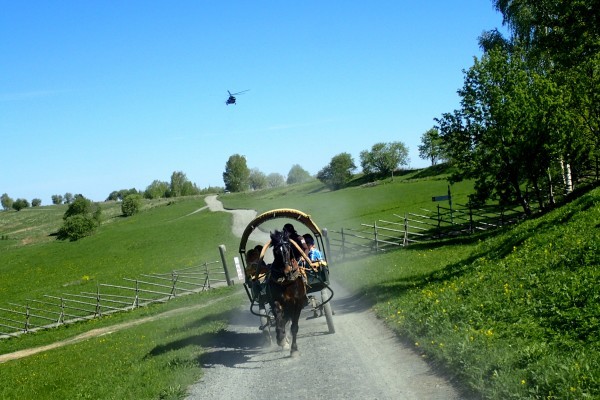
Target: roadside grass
(160,239)
(152,360)
(513,315)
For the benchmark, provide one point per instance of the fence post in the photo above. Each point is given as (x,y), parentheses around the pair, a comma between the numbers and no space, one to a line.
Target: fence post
(61,316)
(471,227)
(375,235)
(174,280)
(222,251)
(136,301)
(98,310)
(343,246)
(327,245)
(27,318)
(405,241)
(206,278)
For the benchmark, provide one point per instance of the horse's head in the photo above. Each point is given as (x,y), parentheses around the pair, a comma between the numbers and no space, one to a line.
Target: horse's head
(282,250)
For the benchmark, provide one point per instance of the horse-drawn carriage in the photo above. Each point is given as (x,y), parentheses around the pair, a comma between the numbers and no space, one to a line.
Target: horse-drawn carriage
(279,285)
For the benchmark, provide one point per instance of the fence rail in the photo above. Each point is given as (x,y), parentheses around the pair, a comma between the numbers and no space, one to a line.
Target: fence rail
(67,308)
(418,228)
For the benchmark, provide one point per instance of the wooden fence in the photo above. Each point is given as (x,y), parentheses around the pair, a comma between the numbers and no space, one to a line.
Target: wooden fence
(403,230)
(56,310)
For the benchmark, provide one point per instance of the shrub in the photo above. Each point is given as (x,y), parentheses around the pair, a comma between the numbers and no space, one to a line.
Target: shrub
(20,204)
(80,220)
(131,205)
(77,226)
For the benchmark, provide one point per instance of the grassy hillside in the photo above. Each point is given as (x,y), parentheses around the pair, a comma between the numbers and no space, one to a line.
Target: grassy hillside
(512,313)
(165,236)
(362,202)
(515,315)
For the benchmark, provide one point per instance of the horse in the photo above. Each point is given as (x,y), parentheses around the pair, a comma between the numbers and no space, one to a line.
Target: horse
(287,286)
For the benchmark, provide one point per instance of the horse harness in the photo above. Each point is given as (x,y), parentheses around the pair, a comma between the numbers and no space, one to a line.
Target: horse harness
(292,270)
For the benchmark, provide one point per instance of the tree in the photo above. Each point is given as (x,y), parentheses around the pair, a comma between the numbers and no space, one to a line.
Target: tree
(564,37)
(275,180)
(81,219)
(257,179)
(68,198)
(156,190)
(236,175)
(431,147)
(6,201)
(131,205)
(20,204)
(338,172)
(297,174)
(57,199)
(508,130)
(566,31)
(178,180)
(384,158)
(36,202)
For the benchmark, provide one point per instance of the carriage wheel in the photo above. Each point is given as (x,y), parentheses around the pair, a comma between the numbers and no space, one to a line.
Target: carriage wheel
(266,326)
(327,308)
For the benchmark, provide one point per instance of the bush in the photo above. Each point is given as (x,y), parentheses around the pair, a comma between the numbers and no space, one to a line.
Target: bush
(131,205)
(20,204)
(77,226)
(80,220)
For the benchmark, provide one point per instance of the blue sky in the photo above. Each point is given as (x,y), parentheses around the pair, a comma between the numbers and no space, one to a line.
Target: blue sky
(97,96)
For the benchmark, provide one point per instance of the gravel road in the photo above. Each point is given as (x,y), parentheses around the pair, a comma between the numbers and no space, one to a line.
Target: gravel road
(363,359)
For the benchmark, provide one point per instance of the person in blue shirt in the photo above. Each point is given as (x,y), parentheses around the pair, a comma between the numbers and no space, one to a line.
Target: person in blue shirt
(313,254)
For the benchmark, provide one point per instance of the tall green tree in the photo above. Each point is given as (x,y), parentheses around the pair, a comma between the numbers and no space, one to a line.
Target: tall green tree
(156,190)
(236,175)
(57,199)
(275,180)
(564,37)
(257,179)
(68,198)
(177,186)
(297,174)
(338,172)
(431,147)
(384,158)
(508,130)
(6,201)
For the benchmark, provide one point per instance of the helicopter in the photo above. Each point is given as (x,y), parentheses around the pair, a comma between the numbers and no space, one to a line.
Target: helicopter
(231,99)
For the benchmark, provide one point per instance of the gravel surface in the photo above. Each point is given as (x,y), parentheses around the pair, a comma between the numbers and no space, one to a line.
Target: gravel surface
(363,359)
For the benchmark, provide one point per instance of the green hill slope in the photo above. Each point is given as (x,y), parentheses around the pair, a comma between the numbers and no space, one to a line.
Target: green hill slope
(515,314)
(164,237)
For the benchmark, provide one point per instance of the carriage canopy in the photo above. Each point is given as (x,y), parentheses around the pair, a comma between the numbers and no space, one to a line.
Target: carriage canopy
(288,213)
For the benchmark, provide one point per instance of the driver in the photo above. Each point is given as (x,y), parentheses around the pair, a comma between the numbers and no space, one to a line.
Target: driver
(298,239)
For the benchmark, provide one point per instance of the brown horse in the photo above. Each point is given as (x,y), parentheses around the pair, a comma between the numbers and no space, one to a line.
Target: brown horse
(287,289)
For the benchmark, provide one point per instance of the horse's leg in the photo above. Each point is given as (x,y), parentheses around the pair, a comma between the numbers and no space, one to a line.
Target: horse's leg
(294,328)
(280,322)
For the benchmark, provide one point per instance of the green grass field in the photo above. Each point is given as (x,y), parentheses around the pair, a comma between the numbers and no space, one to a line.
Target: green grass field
(511,314)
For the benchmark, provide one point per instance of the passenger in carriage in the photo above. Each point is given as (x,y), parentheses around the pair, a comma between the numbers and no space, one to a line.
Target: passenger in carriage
(314,254)
(296,237)
(254,263)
